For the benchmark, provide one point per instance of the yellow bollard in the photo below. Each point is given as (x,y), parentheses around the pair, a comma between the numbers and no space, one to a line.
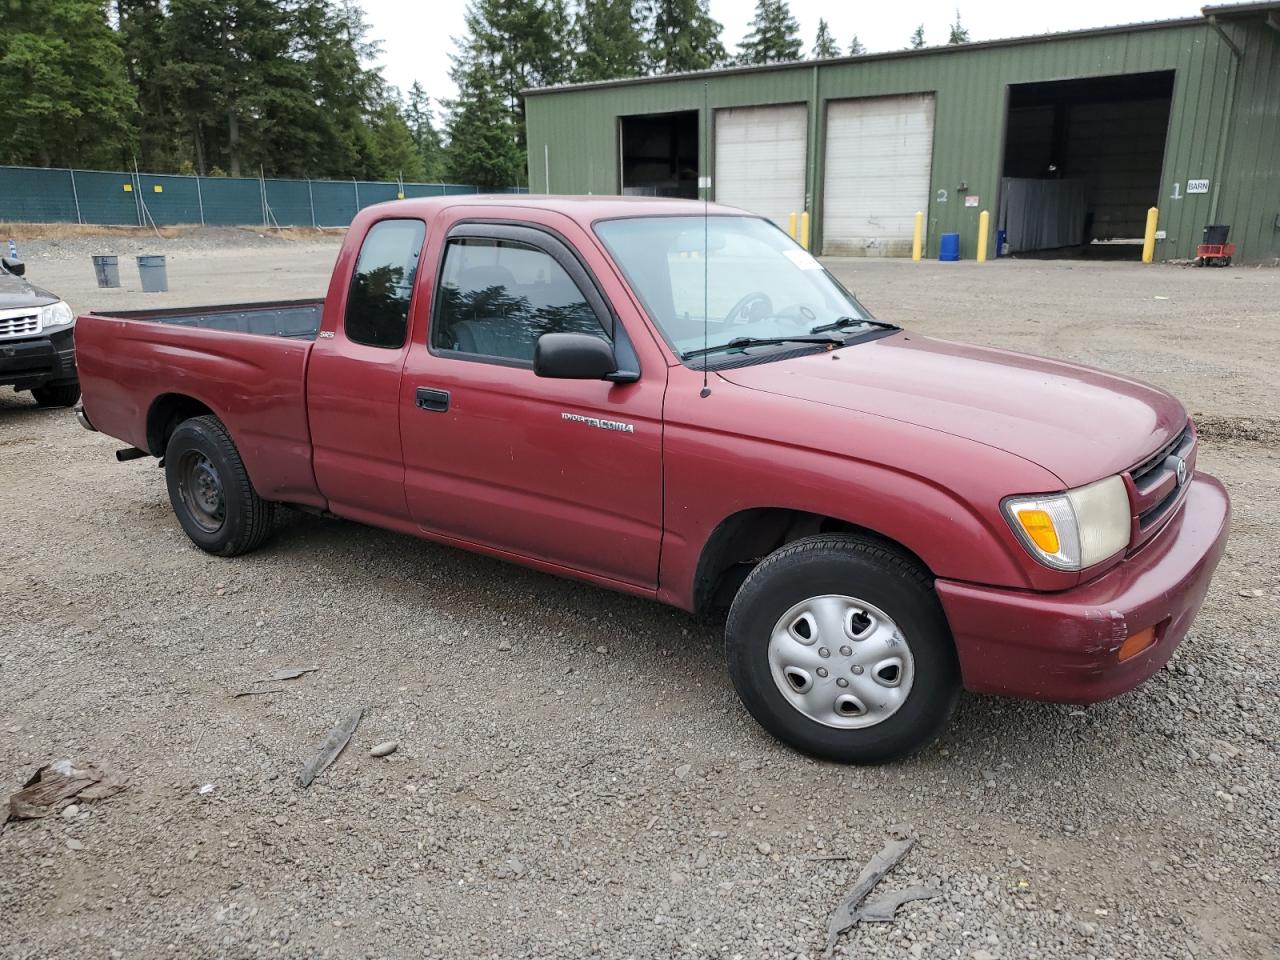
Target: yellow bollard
(917,238)
(791,225)
(984,227)
(804,229)
(1149,237)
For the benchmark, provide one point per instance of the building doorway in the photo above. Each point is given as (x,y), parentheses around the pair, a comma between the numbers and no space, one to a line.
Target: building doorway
(1082,164)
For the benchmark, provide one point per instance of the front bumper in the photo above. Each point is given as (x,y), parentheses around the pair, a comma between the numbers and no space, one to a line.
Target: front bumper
(39,361)
(1064,646)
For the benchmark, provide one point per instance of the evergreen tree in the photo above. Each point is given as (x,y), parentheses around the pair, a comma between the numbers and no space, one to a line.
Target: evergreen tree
(483,147)
(225,56)
(141,27)
(524,44)
(64,95)
(856,47)
(824,45)
(345,96)
(774,35)
(426,138)
(959,33)
(610,45)
(683,37)
(259,84)
(917,38)
(393,151)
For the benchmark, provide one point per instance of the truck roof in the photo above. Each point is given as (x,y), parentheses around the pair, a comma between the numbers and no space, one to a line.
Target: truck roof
(583,209)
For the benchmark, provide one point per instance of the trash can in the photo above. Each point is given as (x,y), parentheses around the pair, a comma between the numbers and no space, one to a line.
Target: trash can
(1002,243)
(1217,234)
(107,270)
(154,278)
(949,247)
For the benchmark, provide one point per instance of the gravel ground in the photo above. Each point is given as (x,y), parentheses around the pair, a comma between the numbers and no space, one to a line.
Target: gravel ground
(575,777)
(79,244)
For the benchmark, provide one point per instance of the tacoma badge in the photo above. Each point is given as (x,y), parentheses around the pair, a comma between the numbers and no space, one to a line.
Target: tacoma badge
(615,425)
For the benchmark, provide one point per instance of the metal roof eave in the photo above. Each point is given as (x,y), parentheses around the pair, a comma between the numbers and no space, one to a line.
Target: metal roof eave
(1235,10)
(893,54)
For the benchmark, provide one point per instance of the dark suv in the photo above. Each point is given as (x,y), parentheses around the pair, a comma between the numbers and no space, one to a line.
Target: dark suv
(36,330)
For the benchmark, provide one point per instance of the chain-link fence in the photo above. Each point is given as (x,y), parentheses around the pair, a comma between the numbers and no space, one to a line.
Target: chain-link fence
(48,195)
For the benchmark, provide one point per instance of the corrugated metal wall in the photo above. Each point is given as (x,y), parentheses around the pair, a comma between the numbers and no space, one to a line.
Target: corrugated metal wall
(573,133)
(1250,196)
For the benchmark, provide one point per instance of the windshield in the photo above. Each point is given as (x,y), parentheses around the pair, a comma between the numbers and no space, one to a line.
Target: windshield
(756,282)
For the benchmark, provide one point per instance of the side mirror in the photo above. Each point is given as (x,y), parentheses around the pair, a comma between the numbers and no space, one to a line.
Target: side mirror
(573,356)
(15,266)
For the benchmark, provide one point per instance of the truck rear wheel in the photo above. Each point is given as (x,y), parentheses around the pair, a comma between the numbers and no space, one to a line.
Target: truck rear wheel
(839,647)
(210,490)
(62,395)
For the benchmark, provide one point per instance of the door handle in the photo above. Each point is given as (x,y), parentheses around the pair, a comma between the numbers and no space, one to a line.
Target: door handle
(436,401)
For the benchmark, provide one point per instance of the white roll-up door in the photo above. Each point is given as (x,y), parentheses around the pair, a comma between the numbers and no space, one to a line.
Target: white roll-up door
(877,169)
(760,159)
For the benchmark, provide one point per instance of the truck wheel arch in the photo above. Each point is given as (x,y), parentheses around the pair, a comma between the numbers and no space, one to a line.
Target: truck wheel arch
(166,412)
(744,538)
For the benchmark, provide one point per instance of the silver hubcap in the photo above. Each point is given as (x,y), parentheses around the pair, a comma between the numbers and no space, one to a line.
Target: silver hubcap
(841,662)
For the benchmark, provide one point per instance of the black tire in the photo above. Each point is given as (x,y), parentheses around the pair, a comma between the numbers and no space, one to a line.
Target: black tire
(853,566)
(61,395)
(210,491)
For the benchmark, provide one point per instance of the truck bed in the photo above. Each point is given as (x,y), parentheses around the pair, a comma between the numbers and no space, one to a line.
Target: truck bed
(247,361)
(296,319)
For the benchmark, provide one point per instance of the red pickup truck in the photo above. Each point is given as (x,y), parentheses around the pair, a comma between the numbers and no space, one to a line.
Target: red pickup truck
(679,402)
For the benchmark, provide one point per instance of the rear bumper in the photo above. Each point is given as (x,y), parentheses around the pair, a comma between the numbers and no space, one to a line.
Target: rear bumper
(38,362)
(1064,646)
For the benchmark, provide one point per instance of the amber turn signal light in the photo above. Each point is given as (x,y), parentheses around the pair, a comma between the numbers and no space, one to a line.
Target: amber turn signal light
(1135,644)
(1040,528)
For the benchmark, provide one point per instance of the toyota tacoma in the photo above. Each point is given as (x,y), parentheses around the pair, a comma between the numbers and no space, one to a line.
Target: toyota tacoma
(677,401)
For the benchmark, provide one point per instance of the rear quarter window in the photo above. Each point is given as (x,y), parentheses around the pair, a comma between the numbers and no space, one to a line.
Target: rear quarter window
(382,286)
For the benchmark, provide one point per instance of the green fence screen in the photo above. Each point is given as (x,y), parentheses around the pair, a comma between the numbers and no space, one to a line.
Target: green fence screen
(40,195)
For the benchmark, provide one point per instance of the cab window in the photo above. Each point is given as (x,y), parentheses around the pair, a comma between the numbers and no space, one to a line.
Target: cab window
(497,297)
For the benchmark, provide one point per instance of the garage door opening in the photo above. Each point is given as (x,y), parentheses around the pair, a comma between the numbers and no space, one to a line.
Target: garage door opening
(659,155)
(1082,164)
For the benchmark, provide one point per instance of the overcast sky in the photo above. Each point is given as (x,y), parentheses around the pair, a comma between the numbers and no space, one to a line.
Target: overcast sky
(416,37)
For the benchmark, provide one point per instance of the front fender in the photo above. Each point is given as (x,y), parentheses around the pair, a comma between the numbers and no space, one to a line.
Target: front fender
(935,494)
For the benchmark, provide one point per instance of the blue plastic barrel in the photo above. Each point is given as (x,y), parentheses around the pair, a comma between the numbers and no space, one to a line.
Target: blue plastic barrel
(949,247)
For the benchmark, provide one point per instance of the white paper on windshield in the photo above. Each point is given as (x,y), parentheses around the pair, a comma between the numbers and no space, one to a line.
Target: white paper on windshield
(802,259)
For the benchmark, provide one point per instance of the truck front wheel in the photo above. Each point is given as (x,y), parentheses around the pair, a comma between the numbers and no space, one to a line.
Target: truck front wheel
(210,489)
(839,647)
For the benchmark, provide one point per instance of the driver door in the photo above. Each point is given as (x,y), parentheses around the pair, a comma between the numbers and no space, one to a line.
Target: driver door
(565,472)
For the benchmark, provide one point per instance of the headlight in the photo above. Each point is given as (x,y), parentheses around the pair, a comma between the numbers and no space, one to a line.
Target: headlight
(1076,529)
(56,315)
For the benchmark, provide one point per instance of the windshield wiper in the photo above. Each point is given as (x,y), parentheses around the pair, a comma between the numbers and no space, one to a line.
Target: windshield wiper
(841,322)
(738,343)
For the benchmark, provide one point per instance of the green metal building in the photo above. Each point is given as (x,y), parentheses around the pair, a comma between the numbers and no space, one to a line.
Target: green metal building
(1067,139)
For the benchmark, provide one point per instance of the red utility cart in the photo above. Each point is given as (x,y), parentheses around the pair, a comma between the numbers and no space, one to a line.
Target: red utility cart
(1215,254)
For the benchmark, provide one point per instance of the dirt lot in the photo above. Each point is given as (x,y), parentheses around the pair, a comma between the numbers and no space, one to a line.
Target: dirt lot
(575,776)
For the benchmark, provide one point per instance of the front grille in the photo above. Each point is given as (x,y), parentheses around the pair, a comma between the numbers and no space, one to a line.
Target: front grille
(1157,459)
(1157,488)
(20,325)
